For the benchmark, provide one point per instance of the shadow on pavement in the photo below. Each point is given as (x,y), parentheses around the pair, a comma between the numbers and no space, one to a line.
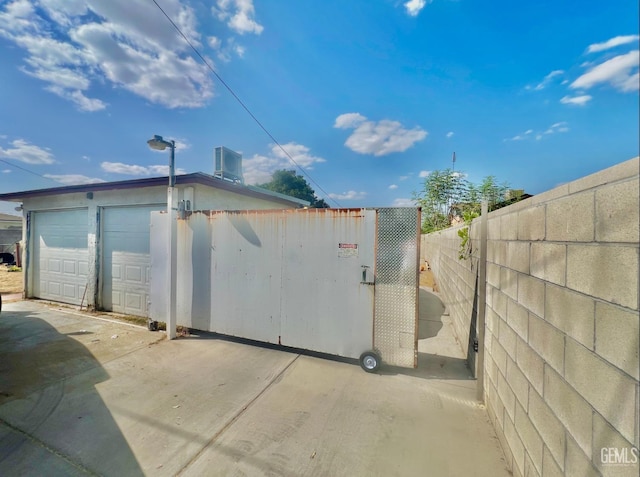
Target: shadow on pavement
(439,354)
(52,420)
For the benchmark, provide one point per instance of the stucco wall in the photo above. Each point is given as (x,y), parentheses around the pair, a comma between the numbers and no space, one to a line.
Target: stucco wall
(561,363)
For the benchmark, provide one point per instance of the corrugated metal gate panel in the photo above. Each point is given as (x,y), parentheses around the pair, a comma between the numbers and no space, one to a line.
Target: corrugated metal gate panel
(325,307)
(246,259)
(60,262)
(396,294)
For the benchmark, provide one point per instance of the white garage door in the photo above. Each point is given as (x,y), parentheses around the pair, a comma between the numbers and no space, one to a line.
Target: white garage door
(125,259)
(60,265)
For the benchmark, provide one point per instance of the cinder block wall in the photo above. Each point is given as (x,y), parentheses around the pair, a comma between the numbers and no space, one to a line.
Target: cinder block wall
(562,323)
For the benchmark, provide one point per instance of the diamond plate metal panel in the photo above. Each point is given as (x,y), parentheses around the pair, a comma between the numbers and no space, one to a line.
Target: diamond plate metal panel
(396,286)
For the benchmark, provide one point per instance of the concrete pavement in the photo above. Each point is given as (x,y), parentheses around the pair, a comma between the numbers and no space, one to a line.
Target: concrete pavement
(83,396)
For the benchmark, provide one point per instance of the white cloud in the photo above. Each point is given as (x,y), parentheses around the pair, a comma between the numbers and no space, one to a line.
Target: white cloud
(214,42)
(612,43)
(617,72)
(239,50)
(403,178)
(349,120)
(239,15)
(78,98)
(75,46)
(579,100)
(225,50)
(6,171)
(424,174)
(136,170)
(559,127)
(449,134)
(259,168)
(393,186)
(414,7)
(403,203)
(377,138)
(28,153)
(349,195)
(73,179)
(547,80)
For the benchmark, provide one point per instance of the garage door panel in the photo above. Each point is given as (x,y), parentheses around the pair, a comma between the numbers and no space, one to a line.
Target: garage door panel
(134,274)
(60,255)
(135,302)
(51,287)
(83,269)
(116,298)
(52,265)
(69,291)
(70,267)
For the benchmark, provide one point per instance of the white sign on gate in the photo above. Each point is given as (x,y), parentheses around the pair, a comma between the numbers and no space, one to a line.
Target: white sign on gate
(347,250)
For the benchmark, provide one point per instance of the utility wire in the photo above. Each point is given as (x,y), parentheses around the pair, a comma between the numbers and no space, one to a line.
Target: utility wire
(27,170)
(244,106)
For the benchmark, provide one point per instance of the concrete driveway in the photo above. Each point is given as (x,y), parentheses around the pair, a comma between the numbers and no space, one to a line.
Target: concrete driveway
(80,395)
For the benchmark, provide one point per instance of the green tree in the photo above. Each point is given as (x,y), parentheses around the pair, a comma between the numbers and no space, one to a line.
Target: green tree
(490,190)
(289,183)
(442,192)
(446,194)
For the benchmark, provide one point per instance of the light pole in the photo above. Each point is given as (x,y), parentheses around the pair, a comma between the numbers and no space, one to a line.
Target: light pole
(160,144)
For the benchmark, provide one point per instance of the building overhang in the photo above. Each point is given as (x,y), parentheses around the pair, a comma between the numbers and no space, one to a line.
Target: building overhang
(181,180)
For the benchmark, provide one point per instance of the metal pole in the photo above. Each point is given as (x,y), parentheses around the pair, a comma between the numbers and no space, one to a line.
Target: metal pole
(482,301)
(172,249)
(172,164)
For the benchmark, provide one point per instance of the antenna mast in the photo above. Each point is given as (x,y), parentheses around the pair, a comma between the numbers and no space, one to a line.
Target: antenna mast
(453,161)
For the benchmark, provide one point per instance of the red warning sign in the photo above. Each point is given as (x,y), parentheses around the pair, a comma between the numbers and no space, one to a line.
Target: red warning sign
(346,250)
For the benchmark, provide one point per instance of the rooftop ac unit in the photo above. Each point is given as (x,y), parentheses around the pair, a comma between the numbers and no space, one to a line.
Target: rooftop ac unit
(228,164)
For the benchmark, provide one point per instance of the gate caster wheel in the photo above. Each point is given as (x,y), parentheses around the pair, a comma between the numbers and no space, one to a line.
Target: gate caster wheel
(152,325)
(370,361)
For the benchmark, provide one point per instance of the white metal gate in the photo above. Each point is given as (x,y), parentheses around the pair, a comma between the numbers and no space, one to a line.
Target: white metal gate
(337,281)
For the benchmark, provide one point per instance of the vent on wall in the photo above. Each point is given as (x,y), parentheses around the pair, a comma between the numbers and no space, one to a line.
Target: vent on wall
(228,165)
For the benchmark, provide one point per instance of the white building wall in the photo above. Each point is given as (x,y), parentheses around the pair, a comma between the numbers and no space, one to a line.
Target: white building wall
(201,197)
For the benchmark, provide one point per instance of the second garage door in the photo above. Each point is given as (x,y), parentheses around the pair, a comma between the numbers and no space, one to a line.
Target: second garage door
(125,259)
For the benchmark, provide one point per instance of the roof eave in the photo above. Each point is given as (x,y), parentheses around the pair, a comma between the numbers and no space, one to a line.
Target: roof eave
(194,178)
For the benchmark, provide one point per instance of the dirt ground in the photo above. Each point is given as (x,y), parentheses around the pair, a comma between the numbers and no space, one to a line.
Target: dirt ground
(10,282)
(428,280)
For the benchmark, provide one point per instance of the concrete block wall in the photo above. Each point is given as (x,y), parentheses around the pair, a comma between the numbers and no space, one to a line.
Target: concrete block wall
(562,324)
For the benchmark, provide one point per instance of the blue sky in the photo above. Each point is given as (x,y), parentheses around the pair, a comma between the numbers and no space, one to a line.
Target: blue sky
(367,96)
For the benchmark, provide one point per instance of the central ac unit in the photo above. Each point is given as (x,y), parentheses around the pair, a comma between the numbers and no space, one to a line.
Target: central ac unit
(228,164)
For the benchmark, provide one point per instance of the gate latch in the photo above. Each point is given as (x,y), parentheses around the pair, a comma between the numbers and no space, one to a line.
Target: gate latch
(365,276)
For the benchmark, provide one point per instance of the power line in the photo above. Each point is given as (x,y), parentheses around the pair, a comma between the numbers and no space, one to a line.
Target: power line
(27,170)
(244,106)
